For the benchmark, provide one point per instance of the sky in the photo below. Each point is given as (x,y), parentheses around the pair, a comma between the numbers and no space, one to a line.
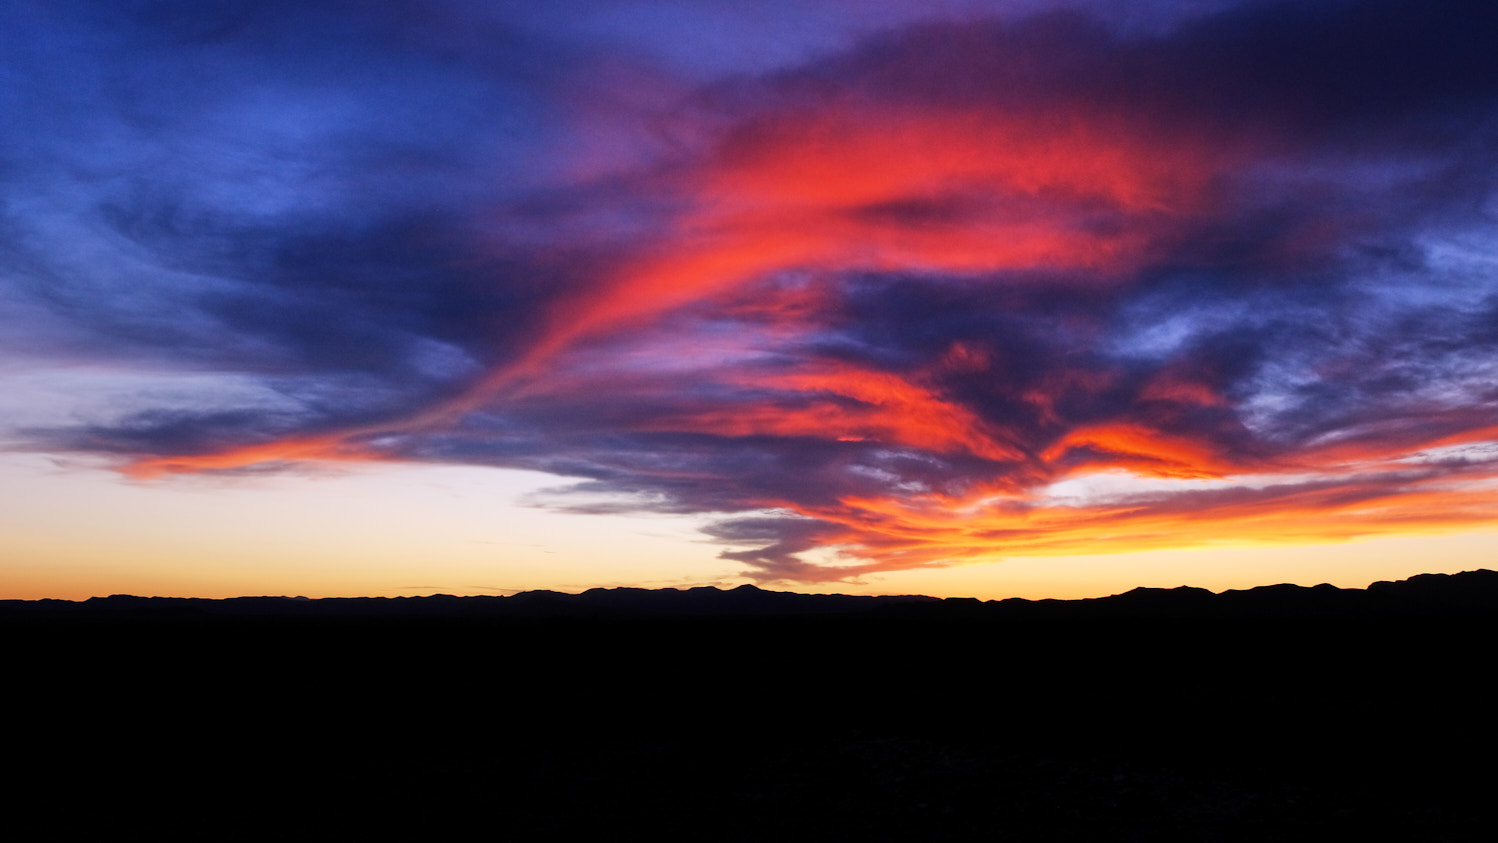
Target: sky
(1017,298)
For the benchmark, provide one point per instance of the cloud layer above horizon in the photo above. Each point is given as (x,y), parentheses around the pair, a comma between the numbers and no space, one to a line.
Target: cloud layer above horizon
(869,288)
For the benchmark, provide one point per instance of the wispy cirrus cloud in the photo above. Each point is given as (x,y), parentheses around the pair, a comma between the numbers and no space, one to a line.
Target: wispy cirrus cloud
(889,300)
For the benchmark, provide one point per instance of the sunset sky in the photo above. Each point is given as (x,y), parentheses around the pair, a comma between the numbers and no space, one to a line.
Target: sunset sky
(1010,298)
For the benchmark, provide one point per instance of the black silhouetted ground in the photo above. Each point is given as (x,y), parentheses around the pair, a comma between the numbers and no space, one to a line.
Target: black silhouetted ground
(1274,714)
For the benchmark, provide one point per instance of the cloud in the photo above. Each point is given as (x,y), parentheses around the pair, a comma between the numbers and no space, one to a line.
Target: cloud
(898,286)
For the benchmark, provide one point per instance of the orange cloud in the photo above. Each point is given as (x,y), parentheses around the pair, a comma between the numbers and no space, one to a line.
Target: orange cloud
(328,448)
(894,533)
(849,404)
(1141,450)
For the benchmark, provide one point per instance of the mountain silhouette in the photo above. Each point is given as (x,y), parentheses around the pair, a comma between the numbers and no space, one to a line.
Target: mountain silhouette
(1471,592)
(1282,712)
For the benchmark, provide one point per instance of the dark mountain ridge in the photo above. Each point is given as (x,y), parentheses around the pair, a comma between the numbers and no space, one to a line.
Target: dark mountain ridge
(1275,713)
(1467,593)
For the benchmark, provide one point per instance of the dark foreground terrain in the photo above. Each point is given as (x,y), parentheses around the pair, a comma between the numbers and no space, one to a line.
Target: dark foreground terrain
(1274,714)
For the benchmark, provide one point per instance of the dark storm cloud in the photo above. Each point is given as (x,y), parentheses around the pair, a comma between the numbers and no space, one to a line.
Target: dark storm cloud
(891,289)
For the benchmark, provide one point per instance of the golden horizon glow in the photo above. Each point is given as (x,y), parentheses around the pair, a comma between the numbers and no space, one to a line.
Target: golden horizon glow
(400,530)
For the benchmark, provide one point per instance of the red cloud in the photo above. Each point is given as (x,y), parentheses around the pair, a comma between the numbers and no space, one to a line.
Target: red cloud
(1082,195)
